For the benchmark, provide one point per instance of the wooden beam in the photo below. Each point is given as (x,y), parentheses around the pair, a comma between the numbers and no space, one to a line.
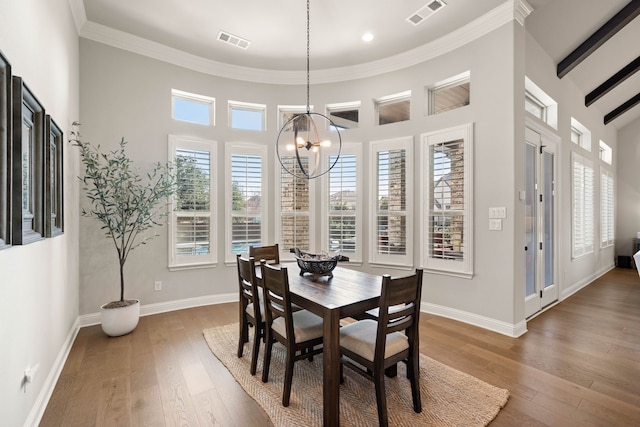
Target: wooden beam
(612,82)
(622,109)
(597,39)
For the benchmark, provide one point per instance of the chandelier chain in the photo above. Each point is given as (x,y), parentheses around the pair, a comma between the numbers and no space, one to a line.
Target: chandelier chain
(308,81)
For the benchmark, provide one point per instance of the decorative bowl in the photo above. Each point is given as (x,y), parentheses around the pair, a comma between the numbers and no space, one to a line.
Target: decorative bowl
(318,265)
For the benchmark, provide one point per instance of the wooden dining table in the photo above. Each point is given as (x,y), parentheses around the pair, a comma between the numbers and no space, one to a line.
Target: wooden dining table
(347,293)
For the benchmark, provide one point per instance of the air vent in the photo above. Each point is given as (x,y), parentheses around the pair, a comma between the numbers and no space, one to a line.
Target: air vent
(426,11)
(229,38)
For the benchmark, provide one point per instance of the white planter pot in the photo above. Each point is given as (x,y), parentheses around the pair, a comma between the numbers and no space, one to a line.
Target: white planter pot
(121,320)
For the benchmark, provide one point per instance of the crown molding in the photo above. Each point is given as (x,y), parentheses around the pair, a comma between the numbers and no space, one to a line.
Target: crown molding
(508,11)
(79,14)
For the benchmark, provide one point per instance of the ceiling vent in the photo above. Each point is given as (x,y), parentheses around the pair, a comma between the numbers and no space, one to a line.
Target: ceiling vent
(426,11)
(229,38)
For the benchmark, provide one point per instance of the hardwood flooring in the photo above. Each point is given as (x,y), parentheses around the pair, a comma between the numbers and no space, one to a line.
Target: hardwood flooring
(579,365)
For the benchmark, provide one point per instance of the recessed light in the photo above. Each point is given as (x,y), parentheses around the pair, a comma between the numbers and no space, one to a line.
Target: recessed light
(367,37)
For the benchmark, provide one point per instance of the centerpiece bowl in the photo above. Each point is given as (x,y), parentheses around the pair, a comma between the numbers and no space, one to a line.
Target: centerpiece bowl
(317,264)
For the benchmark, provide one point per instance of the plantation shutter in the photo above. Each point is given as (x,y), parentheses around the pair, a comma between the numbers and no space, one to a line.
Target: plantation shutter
(342,203)
(607,231)
(294,207)
(583,199)
(391,202)
(246,209)
(447,210)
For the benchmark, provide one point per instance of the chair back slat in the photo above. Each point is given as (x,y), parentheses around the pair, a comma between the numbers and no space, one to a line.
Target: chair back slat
(275,283)
(271,253)
(247,284)
(403,294)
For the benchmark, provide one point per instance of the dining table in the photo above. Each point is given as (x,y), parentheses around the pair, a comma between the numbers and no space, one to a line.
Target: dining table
(348,293)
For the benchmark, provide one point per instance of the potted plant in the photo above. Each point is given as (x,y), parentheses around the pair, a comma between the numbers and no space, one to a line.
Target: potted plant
(128,205)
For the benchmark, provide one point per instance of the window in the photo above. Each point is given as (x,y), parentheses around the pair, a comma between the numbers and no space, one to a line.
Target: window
(286,113)
(294,198)
(447,221)
(606,153)
(607,204)
(243,115)
(5,144)
(54,224)
(246,210)
(344,115)
(539,104)
(28,166)
(580,135)
(192,108)
(582,206)
(342,221)
(393,108)
(450,94)
(192,221)
(392,186)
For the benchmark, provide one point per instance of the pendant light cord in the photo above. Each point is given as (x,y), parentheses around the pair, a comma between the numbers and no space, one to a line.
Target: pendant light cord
(308,107)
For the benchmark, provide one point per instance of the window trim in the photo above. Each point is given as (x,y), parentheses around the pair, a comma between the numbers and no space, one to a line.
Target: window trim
(247,106)
(464,269)
(292,109)
(201,261)
(252,149)
(451,82)
(391,260)
(197,98)
(6,143)
(605,152)
(391,99)
(356,257)
(23,97)
(340,107)
(584,132)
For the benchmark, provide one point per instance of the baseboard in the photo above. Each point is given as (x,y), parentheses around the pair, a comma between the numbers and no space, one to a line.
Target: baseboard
(566,293)
(40,405)
(504,328)
(163,307)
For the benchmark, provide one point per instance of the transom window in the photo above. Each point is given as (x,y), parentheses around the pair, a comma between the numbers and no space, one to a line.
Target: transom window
(244,115)
(606,153)
(450,94)
(345,115)
(192,108)
(393,108)
(580,135)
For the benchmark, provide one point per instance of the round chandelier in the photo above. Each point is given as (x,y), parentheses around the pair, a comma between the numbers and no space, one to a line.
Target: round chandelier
(309,144)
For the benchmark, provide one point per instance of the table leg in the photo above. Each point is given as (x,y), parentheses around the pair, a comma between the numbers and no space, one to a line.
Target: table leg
(331,369)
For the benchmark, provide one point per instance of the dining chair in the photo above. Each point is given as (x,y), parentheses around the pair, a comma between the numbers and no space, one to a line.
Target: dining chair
(298,331)
(251,309)
(269,253)
(375,346)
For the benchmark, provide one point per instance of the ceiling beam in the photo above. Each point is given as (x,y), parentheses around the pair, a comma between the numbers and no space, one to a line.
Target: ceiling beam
(597,39)
(612,82)
(622,109)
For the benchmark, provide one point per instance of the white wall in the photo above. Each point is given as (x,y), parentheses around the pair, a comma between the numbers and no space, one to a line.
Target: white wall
(628,186)
(39,281)
(125,94)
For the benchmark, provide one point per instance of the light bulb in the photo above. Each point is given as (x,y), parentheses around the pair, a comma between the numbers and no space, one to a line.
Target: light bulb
(290,147)
(325,143)
(300,141)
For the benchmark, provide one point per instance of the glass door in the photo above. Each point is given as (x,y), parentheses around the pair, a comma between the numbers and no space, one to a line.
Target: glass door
(540,242)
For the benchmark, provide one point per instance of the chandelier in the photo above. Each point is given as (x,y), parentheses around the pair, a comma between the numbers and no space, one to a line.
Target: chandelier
(309,144)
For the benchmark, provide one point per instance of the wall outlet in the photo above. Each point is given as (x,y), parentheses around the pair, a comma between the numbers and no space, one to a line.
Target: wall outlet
(495,224)
(157,285)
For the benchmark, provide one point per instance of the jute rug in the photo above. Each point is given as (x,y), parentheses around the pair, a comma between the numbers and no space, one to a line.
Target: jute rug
(449,397)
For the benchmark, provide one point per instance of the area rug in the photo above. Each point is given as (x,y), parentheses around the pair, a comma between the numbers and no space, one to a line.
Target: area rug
(449,397)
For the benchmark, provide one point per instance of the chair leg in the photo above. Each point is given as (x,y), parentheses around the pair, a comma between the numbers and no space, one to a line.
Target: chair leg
(288,378)
(413,371)
(391,371)
(243,335)
(267,358)
(381,398)
(255,350)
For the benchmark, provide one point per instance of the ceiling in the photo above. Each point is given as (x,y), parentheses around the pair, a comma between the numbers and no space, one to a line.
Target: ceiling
(276,30)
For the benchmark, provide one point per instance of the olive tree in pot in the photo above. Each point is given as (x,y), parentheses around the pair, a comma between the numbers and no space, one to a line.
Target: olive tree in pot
(129,205)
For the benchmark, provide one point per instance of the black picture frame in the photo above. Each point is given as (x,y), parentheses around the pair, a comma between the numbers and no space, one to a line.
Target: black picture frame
(5,151)
(27,168)
(53,174)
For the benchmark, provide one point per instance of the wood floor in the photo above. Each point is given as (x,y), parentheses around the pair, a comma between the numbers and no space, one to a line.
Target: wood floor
(579,365)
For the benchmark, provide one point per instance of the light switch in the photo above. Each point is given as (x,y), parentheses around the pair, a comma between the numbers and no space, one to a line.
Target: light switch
(499,212)
(495,224)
